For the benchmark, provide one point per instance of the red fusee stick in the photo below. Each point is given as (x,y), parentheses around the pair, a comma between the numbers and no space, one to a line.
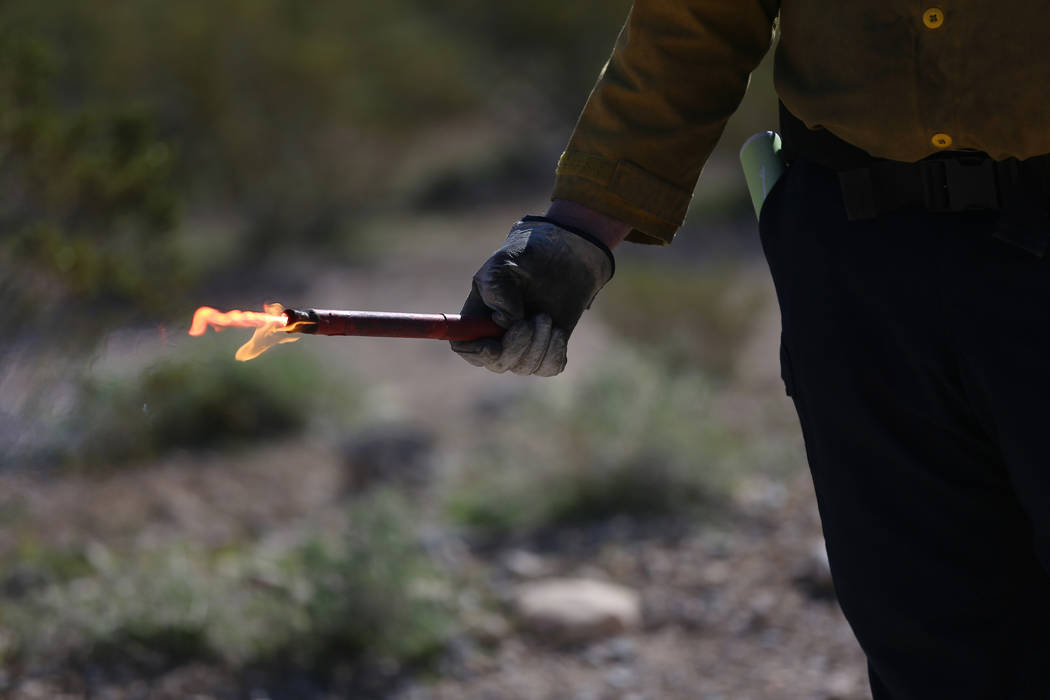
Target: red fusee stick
(390,325)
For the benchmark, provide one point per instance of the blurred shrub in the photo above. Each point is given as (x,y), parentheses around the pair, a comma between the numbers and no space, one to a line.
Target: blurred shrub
(549,48)
(371,592)
(299,116)
(684,315)
(633,439)
(367,594)
(85,207)
(30,565)
(191,402)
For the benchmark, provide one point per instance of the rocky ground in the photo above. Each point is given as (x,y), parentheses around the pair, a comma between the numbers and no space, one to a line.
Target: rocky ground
(742,610)
(736,610)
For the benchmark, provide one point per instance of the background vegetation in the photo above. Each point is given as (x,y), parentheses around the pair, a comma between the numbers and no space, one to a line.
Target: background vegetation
(289,123)
(316,521)
(150,146)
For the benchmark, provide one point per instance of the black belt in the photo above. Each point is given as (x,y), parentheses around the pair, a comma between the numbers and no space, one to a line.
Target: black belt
(949,182)
(944,184)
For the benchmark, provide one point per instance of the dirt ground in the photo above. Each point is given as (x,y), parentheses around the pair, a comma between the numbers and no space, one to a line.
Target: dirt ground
(741,611)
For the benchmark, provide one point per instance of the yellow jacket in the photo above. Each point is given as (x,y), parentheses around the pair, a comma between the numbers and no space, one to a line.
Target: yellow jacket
(892,77)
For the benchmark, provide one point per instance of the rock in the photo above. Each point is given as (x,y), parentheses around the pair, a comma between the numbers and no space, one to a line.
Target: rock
(663,607)
(566,611)
(525,564)
(842,685)
(813,575)
(760,495)
(21,580)
(619,650)
(620,677)
(717,572)
(398,453)
(486,627)
(755,616)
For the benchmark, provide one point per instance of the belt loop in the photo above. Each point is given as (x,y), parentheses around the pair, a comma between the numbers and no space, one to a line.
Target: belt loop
(934,177)
(1007,173)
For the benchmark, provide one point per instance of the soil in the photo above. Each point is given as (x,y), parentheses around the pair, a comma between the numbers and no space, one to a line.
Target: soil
(739,610)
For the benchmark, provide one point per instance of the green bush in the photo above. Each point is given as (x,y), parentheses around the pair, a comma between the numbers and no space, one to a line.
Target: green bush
(87,207)
(192,402)
(373,592)
(633,439)
(685,316)
(365,594)
(299,115)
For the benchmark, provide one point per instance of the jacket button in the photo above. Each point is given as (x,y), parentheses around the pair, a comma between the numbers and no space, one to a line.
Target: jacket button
(933,18)
(941,140)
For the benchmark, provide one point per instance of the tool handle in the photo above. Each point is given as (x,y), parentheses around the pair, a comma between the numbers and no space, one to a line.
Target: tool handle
(471,328)
(379,324)
(763,165)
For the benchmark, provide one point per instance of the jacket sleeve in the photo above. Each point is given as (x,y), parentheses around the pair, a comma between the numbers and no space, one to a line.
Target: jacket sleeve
(678,71)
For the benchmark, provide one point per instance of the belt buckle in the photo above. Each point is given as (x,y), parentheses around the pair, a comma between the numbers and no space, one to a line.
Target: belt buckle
(959,184)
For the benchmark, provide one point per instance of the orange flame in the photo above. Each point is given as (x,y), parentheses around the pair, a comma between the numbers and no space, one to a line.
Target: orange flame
(270,327)
(207,316)
(265,337)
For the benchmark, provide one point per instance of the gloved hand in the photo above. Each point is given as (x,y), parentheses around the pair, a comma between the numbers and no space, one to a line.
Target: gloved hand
(536,286)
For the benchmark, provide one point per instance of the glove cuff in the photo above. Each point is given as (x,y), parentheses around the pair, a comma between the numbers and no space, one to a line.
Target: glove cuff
(582,234)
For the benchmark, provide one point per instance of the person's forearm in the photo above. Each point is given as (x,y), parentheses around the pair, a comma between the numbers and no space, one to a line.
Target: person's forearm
(608,230)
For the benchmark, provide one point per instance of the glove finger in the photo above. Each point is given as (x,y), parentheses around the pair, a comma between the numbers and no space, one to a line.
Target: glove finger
(480,353)
(557,355)
(533,356)
(501,289)
(516,342)
(474,306)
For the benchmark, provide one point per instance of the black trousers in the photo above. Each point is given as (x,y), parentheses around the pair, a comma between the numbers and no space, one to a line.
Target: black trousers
(916,347)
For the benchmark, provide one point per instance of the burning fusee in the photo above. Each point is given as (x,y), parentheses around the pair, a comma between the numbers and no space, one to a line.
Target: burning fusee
(274,324)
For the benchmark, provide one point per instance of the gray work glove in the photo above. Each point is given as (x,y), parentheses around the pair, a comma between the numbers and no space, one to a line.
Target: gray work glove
(536,286)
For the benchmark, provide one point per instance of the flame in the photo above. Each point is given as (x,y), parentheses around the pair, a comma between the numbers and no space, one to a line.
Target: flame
(207,316)
(270,327)
(265,337)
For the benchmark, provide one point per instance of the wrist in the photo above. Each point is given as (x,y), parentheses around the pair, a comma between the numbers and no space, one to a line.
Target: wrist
(577,232)
(566,213)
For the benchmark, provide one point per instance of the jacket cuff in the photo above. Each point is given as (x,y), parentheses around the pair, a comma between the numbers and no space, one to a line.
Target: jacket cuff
(624,191)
